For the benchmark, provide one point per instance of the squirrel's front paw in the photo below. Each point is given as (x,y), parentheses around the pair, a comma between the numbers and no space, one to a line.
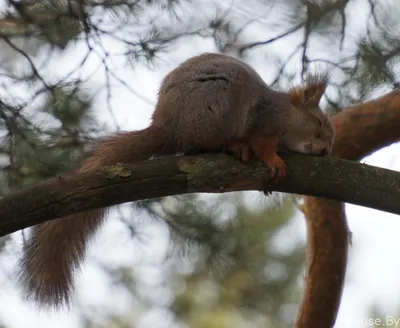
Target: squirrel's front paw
(277,166)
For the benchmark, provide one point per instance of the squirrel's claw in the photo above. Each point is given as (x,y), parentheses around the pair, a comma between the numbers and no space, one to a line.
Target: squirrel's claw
(277,167)
(278,171)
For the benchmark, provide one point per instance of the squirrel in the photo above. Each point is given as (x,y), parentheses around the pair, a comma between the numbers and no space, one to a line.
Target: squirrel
(209,103)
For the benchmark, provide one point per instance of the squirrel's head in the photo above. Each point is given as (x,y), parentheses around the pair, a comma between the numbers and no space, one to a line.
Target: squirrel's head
(310,130)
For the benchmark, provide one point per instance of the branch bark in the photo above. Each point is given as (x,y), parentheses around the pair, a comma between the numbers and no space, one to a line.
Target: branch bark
(214,173)
(360,130)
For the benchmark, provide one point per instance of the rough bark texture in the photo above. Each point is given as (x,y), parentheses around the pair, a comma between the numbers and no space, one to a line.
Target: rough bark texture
(360,130)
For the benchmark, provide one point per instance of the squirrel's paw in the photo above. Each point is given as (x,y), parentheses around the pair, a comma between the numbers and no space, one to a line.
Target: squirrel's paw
(277,166)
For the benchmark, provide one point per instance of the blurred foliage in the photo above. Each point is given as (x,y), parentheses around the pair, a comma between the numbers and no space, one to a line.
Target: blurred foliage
(226,264)
(250,279)
(226,269)
(35,153)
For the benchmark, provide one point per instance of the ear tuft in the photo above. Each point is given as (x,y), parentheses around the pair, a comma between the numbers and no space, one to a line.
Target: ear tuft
(309,94)
(297,97)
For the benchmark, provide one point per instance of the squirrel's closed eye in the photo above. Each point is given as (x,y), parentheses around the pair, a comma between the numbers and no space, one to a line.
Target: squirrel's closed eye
(317,133)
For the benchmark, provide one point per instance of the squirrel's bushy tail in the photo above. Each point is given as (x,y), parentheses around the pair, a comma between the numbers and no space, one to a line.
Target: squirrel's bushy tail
(56,248)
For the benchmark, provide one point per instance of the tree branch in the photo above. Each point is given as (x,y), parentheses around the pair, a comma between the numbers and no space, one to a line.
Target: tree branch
(213,173)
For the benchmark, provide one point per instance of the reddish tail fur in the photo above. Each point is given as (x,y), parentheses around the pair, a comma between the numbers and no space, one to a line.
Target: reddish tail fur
(56,248)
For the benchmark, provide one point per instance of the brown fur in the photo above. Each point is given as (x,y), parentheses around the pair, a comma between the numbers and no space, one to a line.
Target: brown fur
(211,102)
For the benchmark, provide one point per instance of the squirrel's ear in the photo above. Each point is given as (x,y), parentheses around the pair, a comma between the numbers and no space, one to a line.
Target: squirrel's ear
(309,95)
(297,97)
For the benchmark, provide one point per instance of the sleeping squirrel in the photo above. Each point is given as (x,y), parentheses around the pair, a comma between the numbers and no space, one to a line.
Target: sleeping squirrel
(211,102)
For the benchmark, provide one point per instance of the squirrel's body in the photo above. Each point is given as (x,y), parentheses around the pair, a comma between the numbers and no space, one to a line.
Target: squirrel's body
(211,102)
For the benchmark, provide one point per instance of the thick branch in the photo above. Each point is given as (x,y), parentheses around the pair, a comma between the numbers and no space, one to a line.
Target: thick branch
(214,173)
